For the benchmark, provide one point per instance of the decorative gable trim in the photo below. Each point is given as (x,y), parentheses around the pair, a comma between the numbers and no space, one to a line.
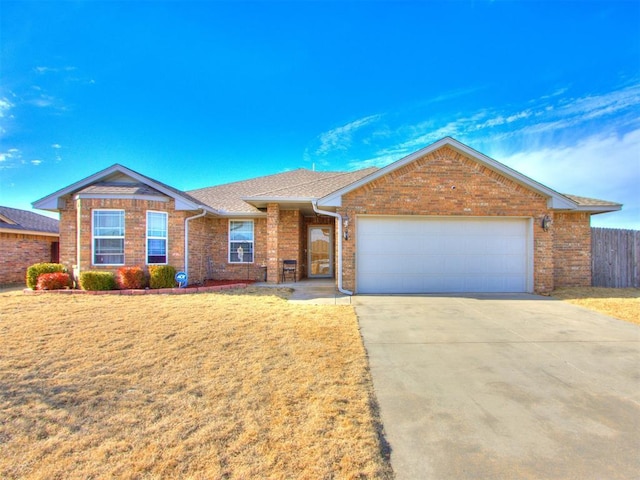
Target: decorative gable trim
(555,200)
(55,202)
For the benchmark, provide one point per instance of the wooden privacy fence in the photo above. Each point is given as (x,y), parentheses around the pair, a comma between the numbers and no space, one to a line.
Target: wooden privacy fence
(615,258)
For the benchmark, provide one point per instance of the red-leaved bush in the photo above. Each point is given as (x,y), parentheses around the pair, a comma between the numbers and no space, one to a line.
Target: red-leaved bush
(131,278)
(53,281)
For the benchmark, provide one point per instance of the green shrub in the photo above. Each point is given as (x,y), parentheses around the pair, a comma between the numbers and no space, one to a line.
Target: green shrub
(53,281)
(37,269)
(131,278)
(97,281)
(162,276)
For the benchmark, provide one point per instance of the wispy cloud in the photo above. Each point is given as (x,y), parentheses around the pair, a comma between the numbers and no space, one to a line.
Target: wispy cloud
(599,166)
(5,106)
(15,158)
(340,138)
(552,118)
(44,69)
(56,149)
(10,158)
(43,101)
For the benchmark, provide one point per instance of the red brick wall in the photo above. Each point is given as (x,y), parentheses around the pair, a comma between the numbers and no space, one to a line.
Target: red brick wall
(273,250)
(208,240)
(18,251)
(572,249)
(68,234)
(79,212)
(446,182)
(218,251)
(289,239)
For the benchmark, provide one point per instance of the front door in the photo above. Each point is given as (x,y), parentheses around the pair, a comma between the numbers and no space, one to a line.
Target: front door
(320,251)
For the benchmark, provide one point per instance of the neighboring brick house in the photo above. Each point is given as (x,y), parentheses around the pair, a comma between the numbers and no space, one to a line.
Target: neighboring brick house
(25,238)
(443,219)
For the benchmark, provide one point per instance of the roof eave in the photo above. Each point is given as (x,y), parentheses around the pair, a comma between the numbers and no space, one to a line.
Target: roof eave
(29,232)
(243,214)
(263,201)
(596,209)
(271,199)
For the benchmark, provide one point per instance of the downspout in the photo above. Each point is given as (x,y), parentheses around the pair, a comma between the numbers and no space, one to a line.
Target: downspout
(186,237)
(76,268)
(314,203)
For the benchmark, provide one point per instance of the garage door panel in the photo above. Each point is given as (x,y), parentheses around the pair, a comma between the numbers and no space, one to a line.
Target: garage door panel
(514,265)
(476,264)
(419,254)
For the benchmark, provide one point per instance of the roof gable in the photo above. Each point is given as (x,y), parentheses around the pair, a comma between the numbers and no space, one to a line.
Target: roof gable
(555,199)
(118,180)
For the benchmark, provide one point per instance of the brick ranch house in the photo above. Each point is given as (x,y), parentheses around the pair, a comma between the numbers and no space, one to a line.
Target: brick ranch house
(443,219)
(25,238)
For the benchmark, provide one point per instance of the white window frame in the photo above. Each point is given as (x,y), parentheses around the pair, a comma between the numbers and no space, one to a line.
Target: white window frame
(95,237)
(232,249)
(156,237)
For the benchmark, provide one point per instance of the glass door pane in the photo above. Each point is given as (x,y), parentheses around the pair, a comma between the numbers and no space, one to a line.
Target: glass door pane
(320,252)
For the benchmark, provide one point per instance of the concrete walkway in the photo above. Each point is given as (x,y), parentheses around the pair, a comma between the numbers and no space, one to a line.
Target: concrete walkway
(315,291)
(503,387)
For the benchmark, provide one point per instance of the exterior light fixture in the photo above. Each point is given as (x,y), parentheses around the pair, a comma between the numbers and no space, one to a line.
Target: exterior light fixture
(546,223)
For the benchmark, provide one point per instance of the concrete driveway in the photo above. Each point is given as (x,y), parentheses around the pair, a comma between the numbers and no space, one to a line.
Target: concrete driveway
(503,387)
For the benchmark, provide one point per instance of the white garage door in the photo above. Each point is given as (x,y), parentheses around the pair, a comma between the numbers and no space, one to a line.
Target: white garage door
(433,255)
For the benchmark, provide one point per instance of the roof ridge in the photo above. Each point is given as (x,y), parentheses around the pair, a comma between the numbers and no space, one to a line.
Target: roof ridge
(247,180)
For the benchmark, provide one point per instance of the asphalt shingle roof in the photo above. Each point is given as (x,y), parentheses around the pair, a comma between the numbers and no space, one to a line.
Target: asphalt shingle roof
(590,202)
(25,220)
(300,183)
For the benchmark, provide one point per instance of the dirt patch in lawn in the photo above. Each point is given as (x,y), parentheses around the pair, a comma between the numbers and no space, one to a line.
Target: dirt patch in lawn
(227,385)
(622,303)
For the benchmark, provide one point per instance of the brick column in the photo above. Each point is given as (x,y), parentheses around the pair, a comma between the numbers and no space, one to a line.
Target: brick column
(273,221)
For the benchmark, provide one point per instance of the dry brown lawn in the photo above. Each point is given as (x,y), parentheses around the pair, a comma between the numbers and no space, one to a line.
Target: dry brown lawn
(622,303)
(240,385)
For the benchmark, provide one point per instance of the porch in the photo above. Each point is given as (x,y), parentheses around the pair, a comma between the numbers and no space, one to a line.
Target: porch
(305,240)
(314,291)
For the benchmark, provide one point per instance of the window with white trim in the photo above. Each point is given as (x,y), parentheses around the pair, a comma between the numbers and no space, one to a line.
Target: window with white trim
(157,238)
(108,237)
(240,241)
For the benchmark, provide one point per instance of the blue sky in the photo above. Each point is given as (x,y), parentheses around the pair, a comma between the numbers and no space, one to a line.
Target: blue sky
(200,93)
